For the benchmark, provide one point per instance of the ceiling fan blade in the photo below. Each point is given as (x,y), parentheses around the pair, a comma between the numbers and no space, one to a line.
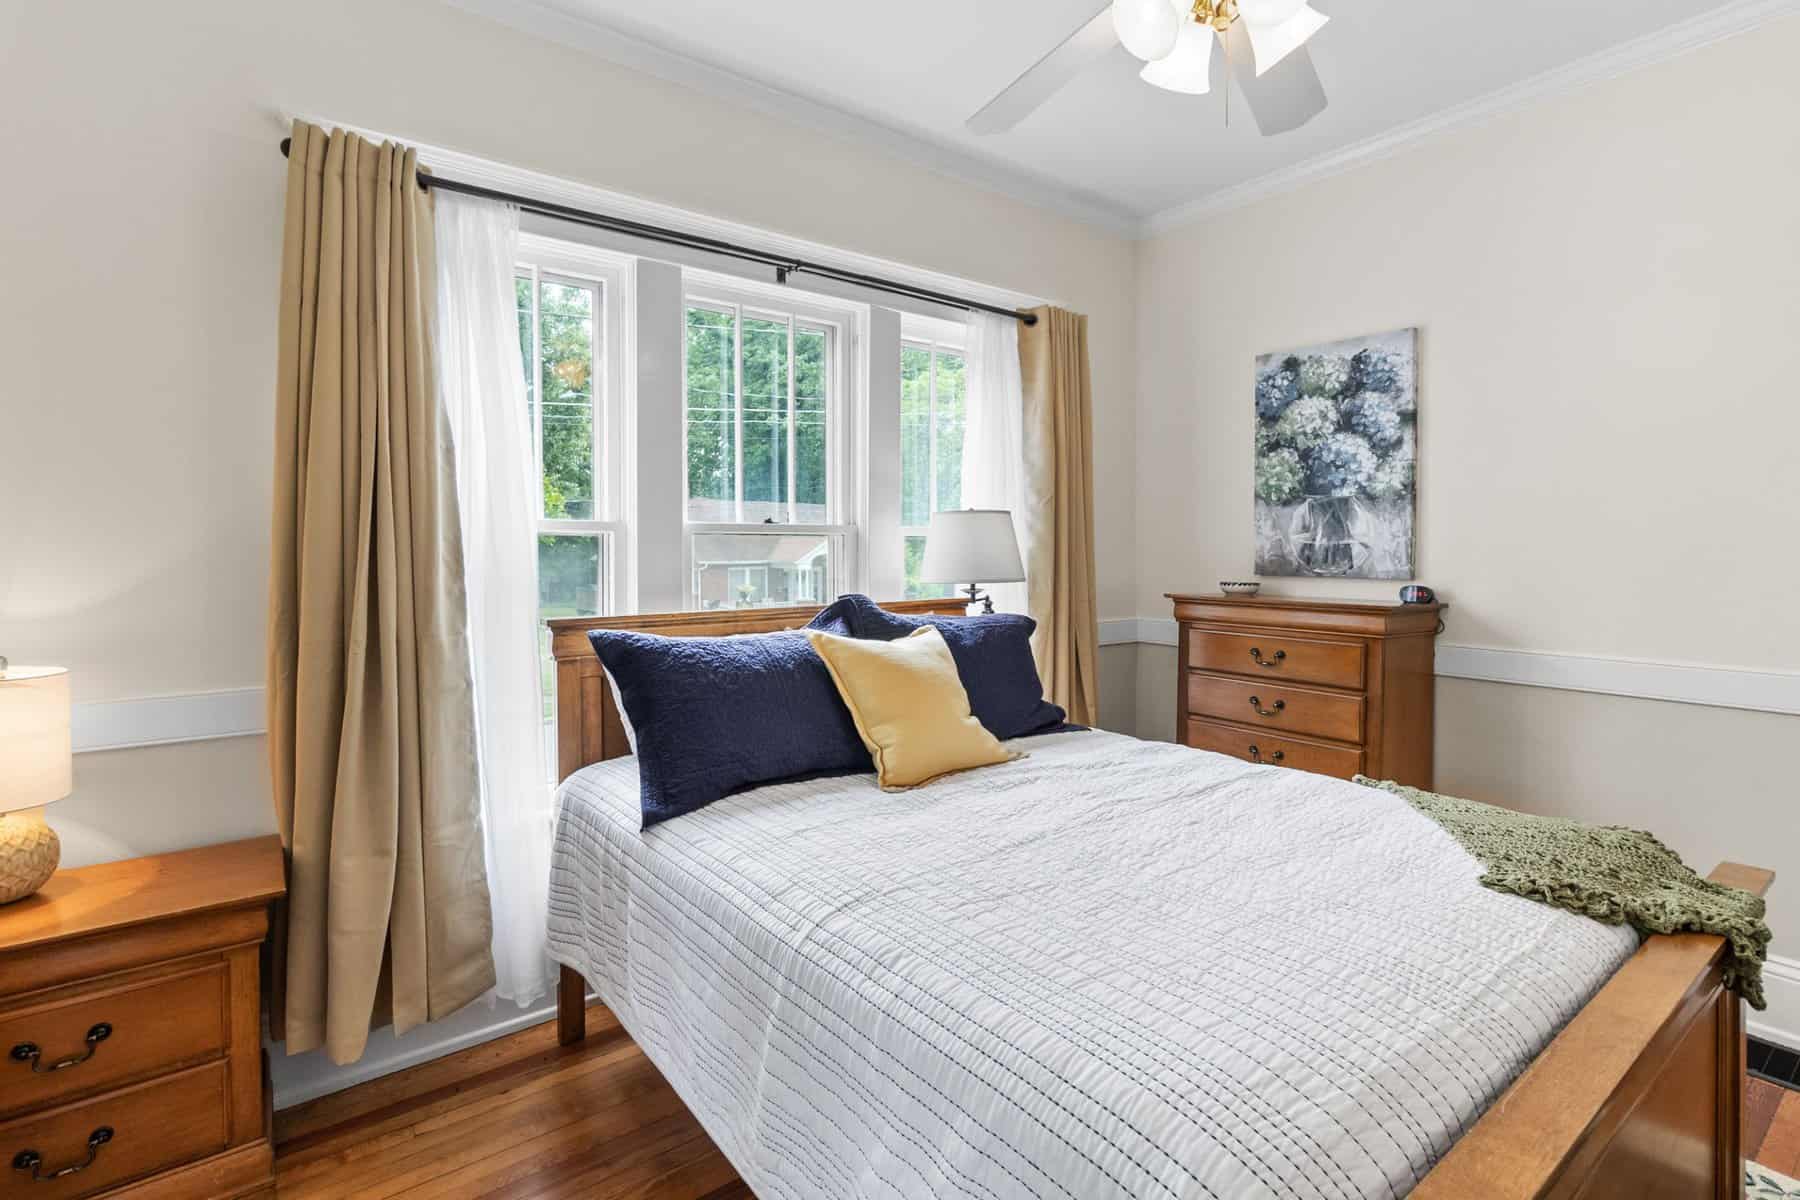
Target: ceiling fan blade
(1023,95)
(1285,97)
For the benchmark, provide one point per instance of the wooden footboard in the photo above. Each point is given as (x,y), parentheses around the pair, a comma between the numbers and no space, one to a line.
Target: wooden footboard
(1639,1096)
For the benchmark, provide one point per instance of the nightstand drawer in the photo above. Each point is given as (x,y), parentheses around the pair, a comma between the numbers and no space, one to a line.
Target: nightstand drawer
(1282,709)
(82,1039)
(1254,746)
(1278,656)
(119,1136)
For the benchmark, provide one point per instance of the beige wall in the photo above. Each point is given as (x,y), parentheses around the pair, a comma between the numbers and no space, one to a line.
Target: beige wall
(1608,285)
(140,232)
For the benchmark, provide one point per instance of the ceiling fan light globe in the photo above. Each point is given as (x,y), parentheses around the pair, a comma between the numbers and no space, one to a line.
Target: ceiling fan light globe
(1188,69)
(1147,28)
(1269,12)
(1272,43)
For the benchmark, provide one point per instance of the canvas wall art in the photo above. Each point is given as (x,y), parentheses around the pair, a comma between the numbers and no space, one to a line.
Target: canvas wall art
(1337,452)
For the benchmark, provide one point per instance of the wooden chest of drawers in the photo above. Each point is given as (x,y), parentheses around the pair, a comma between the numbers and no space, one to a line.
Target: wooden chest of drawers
(1330,686)
(131,1025)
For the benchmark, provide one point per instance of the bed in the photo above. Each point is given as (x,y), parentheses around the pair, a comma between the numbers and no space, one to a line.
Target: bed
(1122,968)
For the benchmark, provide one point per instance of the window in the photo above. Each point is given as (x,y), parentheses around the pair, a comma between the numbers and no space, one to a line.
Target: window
(933,412)
(763,408)
(565,340)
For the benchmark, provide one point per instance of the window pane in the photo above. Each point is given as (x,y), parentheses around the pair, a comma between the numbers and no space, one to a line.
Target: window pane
(765,420)
(915,435)
(753,570)
(711,416)
(952,390)
(570,570)
(810,374)
(915,555)
(566,332)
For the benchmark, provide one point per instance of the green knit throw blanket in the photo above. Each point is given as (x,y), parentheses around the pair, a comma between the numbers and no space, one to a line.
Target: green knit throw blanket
(1612,874)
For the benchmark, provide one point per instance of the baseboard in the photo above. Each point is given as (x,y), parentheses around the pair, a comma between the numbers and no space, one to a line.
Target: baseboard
(304,1077)
(1780,1022)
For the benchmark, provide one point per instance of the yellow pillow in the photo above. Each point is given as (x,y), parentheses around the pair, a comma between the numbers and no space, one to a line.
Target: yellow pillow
(909,706)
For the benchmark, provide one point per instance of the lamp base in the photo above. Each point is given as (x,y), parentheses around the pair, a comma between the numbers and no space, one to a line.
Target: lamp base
(29,852)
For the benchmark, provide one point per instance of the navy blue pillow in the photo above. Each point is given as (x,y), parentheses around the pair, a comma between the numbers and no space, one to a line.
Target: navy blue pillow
(992,653)
(715,716)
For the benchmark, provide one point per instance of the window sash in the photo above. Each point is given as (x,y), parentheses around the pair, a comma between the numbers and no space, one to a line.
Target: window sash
(832,381)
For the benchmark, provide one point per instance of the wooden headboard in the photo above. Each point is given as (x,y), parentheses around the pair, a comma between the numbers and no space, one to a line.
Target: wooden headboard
(587,723)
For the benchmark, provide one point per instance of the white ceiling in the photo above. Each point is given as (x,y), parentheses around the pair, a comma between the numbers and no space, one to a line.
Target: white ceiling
(1109,146)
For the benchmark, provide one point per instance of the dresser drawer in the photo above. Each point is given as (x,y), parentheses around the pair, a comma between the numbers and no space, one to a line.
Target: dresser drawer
(1255,746)
(108,1035)
(1267,704)
(132,1132)
(1277,656)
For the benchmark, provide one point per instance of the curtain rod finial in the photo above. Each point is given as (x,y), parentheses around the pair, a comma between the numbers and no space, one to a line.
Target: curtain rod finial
(287,144)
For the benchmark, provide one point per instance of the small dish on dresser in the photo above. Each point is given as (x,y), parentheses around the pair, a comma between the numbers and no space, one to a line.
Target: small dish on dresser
(1238,587)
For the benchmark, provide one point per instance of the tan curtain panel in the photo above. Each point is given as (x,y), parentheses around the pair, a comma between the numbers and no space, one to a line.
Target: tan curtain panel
(1058,531)
(371,709)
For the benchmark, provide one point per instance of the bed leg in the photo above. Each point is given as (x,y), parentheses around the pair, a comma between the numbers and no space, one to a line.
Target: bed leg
(571,1007)
(1729,1179)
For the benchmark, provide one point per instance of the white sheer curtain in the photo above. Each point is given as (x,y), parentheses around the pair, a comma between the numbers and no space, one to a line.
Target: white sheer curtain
(993,465)
(483,384)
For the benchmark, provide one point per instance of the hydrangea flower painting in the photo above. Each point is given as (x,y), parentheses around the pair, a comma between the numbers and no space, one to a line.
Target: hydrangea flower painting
(1337,452)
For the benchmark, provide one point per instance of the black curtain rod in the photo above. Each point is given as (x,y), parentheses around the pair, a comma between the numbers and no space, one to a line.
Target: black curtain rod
(784,266)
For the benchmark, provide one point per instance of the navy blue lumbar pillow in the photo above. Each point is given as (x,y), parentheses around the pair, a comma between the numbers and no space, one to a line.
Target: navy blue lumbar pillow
(718,715)
(992,653)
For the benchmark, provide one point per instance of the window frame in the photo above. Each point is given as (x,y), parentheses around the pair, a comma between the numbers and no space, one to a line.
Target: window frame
(935,337)
(609,275)
(845,398)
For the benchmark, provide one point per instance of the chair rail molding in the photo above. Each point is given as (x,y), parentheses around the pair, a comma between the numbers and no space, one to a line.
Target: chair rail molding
(1645,679)
(161,720)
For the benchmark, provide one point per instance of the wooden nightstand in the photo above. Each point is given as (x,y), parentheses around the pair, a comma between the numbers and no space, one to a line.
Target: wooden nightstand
(131,1029)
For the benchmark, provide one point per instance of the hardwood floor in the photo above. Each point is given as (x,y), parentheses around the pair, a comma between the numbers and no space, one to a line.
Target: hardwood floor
(526,1119)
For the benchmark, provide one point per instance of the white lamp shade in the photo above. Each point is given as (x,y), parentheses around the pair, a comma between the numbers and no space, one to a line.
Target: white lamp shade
(34,737)
(1147,28)
(1272,43)
(974,545)
(1189,68)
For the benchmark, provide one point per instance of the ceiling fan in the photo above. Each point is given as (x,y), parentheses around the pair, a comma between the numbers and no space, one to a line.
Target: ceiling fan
(1265,40)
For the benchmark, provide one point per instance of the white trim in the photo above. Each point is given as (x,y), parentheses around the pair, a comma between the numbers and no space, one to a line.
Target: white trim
(1780,1022)
(472,168)
(1146,631)
(160,720)
(1712,25)
(636,54)
(1683,683)
(1645,679)
(308,1076)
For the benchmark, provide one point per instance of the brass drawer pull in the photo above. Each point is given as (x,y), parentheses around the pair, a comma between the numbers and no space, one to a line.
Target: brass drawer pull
(1256,703)
(1275,759)
(28,1052)
(31,1160)
(1257,658)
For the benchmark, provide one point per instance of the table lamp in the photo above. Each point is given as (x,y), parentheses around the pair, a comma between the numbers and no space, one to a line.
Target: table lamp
(34,771)
(972,544)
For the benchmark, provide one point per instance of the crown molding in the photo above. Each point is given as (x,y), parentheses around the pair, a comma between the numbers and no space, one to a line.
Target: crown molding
(636,54)
(1726,21)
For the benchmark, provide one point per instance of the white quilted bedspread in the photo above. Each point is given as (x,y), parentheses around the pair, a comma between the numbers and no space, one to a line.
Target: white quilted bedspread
(1112,968)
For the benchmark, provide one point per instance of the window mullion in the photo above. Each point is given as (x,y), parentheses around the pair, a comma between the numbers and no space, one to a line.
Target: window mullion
(931,440)
(737,410)
(793,442)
